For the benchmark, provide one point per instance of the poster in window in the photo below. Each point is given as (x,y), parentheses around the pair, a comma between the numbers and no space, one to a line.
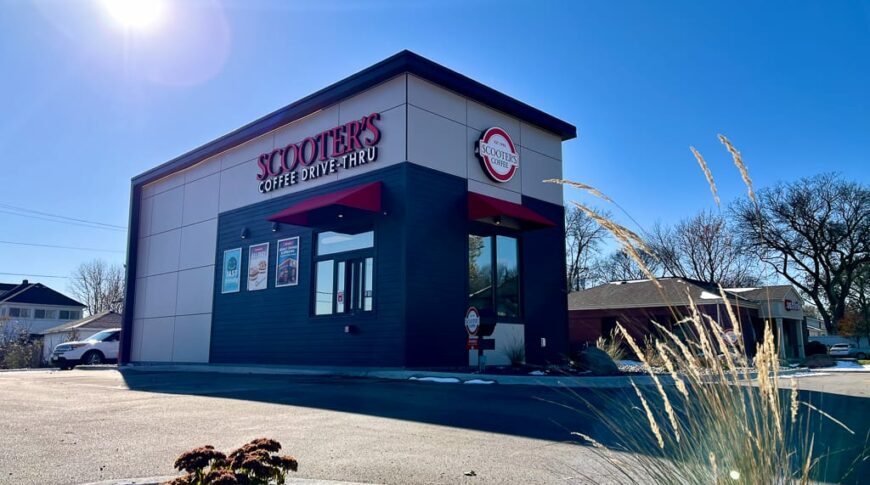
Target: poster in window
(230,281)
(258,266)
(287,262)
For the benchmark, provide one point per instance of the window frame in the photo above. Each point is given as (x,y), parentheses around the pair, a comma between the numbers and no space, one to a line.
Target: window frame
(489,231)
(344,257)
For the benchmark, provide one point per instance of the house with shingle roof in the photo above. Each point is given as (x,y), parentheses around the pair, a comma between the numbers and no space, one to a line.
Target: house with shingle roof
(35,307)
(639,305)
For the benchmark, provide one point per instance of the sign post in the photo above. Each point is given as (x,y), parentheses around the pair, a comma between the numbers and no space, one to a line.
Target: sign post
(472,325)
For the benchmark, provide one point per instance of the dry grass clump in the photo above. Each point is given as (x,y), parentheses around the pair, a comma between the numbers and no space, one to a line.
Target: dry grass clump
(613,346)
(254,463)
(515,351)
(717,416)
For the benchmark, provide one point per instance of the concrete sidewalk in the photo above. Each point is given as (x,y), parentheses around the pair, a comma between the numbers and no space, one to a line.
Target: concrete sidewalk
(406,374)
(602,382)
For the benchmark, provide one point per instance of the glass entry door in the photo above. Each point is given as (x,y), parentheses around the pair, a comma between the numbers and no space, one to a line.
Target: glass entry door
(354,277)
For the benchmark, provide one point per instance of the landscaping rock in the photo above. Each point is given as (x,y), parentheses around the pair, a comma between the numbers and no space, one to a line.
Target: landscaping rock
(820,360)
(597,362)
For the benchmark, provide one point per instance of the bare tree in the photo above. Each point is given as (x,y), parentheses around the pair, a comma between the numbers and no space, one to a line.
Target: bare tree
(583,238)
(99,285)
(705,247)
(859,304)
(815,232)
(620,266)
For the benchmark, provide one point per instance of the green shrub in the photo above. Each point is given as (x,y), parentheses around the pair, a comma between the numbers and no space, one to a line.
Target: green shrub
(17,349)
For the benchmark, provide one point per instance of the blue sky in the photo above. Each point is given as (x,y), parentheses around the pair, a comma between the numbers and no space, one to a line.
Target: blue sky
(87,104)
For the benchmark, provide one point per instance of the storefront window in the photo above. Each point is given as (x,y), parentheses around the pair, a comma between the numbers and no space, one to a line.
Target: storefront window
(480,273)
(345,273)
(494,275)
(335,242)
(369,283)
(507,293)
(324,290)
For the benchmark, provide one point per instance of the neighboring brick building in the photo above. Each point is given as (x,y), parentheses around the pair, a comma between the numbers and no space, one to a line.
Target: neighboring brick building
(637,304)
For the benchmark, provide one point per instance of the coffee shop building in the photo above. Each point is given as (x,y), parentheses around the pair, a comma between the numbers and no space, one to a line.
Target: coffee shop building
(366,225)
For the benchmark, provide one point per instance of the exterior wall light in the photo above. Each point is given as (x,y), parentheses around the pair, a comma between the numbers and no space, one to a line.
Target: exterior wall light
(245,233)
(340,216)
(275,227)
(497,220)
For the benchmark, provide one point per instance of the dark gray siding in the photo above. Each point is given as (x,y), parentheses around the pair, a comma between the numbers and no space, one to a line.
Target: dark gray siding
(421,268)
(545,296)
(276,326)
(437,235)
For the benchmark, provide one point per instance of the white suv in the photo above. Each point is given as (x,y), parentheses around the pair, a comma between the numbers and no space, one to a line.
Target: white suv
(848,350)
(97,349)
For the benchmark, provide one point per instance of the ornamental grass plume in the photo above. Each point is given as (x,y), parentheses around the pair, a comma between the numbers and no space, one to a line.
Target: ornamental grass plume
(709,419)
(717,415)
(707,174)
(612,346)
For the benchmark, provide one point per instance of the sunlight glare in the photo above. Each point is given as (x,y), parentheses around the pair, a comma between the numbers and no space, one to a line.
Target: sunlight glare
(136,14)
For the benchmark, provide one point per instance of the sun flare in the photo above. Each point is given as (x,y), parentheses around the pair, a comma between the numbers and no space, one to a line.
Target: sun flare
(136,14)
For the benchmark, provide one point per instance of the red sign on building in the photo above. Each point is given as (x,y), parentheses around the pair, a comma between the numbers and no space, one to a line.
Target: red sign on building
(498,155)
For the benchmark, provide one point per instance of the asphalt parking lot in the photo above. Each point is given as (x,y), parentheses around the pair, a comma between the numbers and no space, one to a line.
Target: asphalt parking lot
(89,425)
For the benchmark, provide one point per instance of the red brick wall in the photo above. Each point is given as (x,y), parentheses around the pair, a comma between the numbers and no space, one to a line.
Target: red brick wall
(585,326)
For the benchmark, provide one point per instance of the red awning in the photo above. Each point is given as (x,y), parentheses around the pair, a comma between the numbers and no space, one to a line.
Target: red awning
(363,197)
(482,207)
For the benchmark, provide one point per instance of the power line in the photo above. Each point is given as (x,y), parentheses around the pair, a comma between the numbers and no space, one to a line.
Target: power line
(35,275)
(60,221)
(23,209)
(61,247)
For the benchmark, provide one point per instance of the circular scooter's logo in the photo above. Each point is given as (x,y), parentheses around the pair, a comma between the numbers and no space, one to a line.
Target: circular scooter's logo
(498,155)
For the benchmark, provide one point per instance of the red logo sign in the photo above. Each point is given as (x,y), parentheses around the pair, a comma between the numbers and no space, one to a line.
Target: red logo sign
(498,155)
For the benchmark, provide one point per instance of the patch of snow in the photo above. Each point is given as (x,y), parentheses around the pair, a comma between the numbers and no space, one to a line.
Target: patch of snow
(629,362)
(537,373)
(739,290)
(804,374)
(848,366)
(478,381)
(706,295)
(442,380)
